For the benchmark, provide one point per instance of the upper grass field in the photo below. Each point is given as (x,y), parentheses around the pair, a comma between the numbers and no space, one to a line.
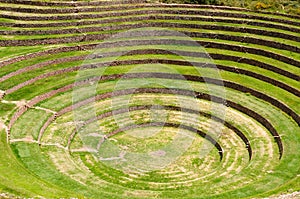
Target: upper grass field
(140,99)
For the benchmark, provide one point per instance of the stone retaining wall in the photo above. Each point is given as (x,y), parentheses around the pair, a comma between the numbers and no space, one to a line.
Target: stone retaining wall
(151,17)
(163,25)
(146,12)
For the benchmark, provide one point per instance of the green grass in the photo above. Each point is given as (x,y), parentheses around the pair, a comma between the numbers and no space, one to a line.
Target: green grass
(34,119)
(279,40)
(152,8)
(15,179)
(282,6)
(61,167)
(243,80)
(245,25)
(141,15)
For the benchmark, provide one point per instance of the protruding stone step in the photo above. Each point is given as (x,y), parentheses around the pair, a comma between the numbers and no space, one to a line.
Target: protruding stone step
(2,94)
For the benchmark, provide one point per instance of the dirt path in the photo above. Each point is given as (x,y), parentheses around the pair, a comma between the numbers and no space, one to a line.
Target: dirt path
(44,109)
(3,126)
(294,195)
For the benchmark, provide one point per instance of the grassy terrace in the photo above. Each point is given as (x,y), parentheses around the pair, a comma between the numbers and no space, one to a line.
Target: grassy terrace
(194,102)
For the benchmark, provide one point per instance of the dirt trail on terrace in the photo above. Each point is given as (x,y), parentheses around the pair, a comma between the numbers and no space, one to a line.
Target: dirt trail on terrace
(2,125)
(295,195)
